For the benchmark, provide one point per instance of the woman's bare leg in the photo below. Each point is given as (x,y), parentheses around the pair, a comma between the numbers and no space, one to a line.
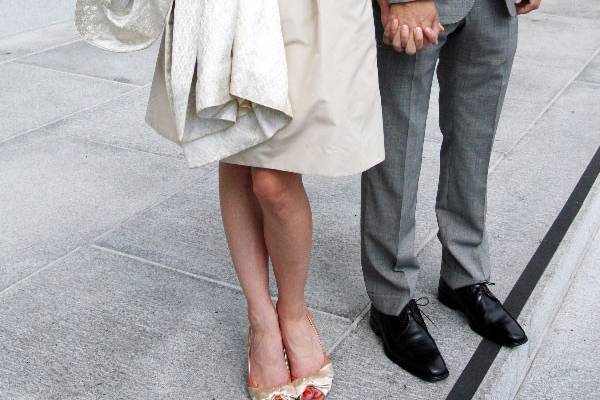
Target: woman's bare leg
(287,223)
(242,220)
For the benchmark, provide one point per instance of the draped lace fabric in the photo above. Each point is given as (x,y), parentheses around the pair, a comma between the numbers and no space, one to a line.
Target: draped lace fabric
(221,79)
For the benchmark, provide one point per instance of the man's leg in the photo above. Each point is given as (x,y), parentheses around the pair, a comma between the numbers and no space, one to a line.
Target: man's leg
(473,72)
(389,194)
(389,190)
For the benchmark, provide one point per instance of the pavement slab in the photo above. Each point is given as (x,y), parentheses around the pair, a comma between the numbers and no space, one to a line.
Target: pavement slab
(585,9)
(542,69)
(81,58)
(121,123)
(16,46)
(591,73)
(34,96)
(566,366)
(185,232)
(59,192)
(102,325)
(532,183)
(21,15)
(577,120)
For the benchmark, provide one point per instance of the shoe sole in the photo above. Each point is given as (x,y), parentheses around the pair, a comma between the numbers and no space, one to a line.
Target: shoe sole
(399,363)
(451,304)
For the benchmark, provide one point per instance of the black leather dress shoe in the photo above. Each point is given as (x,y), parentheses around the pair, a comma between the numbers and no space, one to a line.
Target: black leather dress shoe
(485,313)
(408,344)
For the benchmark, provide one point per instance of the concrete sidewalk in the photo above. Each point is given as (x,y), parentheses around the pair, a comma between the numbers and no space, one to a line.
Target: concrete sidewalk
(115,280)
(567,365)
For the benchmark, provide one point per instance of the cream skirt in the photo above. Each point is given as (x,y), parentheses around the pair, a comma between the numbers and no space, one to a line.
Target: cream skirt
(337,125)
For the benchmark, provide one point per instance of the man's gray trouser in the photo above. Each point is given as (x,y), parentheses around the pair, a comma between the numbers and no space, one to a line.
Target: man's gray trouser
(475,59)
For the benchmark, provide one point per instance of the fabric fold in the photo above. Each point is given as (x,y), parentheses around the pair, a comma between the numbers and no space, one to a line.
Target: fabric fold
(221,79)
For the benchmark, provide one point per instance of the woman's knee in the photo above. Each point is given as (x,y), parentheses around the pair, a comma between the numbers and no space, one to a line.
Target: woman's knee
(236,176)
(274,189)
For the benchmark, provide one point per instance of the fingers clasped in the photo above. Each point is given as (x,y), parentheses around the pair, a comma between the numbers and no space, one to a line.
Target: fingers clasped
(409,27)
(526,6)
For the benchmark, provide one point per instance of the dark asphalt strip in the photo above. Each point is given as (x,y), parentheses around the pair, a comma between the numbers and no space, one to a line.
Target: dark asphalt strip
(470,379)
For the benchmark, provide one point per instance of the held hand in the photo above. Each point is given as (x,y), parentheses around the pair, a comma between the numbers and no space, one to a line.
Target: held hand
(390,23)
(394,34)
(410,26)
(527,6)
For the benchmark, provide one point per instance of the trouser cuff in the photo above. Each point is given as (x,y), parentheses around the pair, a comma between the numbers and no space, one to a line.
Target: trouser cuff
(390,304)
(456,276)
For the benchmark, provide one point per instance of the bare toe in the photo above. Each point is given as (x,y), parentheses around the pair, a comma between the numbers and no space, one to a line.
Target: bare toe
(308,394)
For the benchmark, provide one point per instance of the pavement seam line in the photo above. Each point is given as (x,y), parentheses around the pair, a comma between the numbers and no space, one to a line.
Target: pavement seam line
(167,197)
(160,201)
(434,139)
(163,266)
(109,230)
(552,101)
(36,272)
(350,329)
(331,315)
(428,239)
(91,242)
(37,28)
(91,77)
(16,59)
(98,142)
(540,12)
(61,118)
(198,276)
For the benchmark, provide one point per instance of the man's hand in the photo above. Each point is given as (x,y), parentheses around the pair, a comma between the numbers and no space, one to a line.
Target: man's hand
(410,26)
(527,6)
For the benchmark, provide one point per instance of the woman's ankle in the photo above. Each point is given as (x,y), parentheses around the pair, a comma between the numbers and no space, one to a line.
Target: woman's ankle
(290,313)
(262,318)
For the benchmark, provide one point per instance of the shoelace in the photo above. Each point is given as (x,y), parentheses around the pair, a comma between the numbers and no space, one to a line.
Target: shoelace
(486,289)
(418,313)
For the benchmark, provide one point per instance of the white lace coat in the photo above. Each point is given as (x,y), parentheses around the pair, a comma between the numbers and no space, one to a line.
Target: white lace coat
(221,79)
